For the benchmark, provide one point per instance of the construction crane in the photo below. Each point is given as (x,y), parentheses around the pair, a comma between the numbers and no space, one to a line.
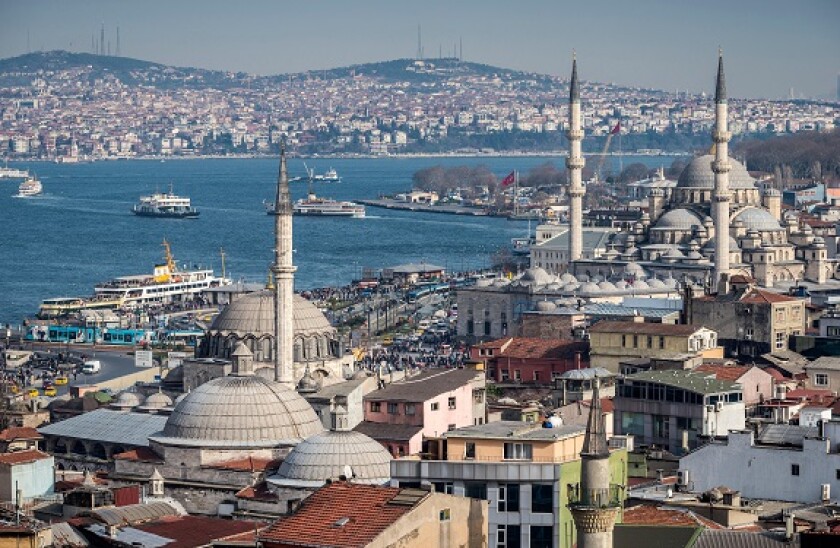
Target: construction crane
(615,131)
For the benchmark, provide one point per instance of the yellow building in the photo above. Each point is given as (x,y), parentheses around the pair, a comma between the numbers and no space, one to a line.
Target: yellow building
(613,342)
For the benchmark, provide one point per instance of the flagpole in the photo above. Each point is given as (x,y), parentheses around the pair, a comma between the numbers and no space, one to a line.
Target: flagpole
(515,194)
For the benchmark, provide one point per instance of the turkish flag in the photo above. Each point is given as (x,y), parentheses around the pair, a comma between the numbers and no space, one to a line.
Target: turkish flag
(509,179)
(616,129)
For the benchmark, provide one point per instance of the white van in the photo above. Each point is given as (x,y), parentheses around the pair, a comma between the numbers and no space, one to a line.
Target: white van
(92,366)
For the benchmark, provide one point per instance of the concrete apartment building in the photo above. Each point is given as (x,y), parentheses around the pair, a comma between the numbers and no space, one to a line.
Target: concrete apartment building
(749,321)
(531,361)
(675,410)
(614,342)
(756,383)
(793,463)
(824,373)
(427,405)
(522,469)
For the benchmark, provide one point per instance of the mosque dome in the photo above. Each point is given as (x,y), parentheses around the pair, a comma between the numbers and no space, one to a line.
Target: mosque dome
(621,284)
(677,219)
(758,219)
(333,454)
(606,286)
(590,287)
(567,278)
(253,313)
(158,400)
(670,282)
(571,287)
(241,410)
(128,400)
(710,245)
(698,174)
(640,284)
(536,276)
(546,306)
(656,284)
(673,254)
(635,269)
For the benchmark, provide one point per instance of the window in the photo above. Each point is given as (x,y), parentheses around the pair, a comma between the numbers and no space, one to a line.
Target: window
(469,450)
(749,333)
(624,341)
(487,328)
(837,474)
(409,409)
(518,451)
(375,407)
(536,375)
(780,340)
(661,343)
(435,406)
(443,487)
(452,402)
(650,341)
(470,327)
(508,497)
(542,536)
(451,427)
(517,375)
(542,498)
(393,409)
(635,341)
(794,469)
(661,426)
(444,514)
(821,379)
(475,490)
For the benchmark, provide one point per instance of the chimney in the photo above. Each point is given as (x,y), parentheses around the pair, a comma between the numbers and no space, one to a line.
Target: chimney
(789,527)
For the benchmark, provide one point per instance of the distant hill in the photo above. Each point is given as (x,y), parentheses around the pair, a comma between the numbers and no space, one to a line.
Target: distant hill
(20,70)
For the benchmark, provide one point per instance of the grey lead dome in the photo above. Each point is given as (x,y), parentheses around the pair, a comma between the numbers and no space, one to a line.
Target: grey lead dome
(247,411)
(698,174)
(254,313)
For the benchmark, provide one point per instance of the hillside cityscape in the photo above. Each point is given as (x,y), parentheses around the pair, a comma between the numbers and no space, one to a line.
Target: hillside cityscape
(71,106)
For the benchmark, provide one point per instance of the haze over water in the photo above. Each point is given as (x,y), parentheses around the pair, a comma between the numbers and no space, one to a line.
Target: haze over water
(81,231)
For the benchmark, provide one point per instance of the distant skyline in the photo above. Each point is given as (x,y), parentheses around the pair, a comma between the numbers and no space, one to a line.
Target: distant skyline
(771,46)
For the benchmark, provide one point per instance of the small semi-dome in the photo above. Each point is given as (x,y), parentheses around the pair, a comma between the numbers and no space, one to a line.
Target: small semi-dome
(501,282)
(590,287)
(758,219)
(307,382)
(673,254)
(677,219)
(698,174)
(536,276)
(635,269)
(656,284)
(158,400)
(571,287)
(128,400)
(640,284)
(670,282)
(621,284)
(567,278)
(710,245)
(606,286)
(546,306)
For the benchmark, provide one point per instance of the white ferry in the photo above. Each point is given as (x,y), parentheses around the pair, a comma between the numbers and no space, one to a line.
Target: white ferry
(322,207)
(7,172)
(165,204)
(30,187)
(330,176)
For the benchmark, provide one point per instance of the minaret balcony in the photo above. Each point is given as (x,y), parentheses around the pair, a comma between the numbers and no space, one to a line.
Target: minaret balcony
(610,497)
(575,162)
(721,166)
(575,134)
(719,136)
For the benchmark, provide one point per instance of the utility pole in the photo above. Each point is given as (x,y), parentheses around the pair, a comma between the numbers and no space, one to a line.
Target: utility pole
(118,42)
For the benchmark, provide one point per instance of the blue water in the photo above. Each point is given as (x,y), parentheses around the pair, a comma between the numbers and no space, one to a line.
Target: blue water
(81,231)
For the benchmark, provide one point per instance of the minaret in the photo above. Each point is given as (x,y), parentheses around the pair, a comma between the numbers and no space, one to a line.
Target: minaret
(284,278)
(721,166)
(595,503)
(575,164)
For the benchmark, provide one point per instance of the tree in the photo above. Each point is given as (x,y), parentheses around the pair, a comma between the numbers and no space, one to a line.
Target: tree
(633,172)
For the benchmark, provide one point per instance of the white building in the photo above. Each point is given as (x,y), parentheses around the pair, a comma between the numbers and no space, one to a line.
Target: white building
(785,462)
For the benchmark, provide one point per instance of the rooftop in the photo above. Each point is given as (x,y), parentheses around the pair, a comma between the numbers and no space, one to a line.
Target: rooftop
(724,372)
(644,328)
(13,433)
(516,430)
(385,431)
(531,348)
(425,386)
(344,515)
(23,457)
(106,425)
(687,380)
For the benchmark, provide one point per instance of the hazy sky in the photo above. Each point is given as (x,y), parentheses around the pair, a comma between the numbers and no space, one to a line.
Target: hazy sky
(770,45)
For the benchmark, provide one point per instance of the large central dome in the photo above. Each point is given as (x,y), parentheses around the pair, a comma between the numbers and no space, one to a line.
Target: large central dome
(698,174)
(240,412)
(254,313)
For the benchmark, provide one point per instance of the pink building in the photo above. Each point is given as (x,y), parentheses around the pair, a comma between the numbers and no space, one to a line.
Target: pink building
(401,415)
(756,383)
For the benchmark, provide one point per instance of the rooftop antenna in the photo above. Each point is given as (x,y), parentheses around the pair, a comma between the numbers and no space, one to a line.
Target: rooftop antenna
(102,39)
(419,45)
(461,49)
(118,42)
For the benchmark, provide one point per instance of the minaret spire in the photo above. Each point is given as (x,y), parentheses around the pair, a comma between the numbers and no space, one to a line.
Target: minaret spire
(721,166)
(284,276)
(575,163)
(595,440)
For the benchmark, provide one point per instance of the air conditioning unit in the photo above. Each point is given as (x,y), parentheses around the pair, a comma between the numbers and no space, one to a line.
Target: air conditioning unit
(710,408)
(719,406)
(683,477)
(826,492)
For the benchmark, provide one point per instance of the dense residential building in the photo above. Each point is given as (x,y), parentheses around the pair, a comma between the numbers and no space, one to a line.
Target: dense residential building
(522,469)
(676,410)
(757,384)
(530,361)
(404,413)
(824,373)
(614,342)
(27,474)
(793,463)
(750,321)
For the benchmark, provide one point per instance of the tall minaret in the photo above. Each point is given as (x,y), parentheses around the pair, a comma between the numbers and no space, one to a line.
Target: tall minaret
(596,502)
(575,164)
(721,166)
(284,275)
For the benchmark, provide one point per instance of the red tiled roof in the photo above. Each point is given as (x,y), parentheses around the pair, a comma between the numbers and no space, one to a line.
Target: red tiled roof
(808,394)
(724,372)
(648,514)
(141,454)
(259,491)
(498,343)
(742,279)
(521,347)
(775,373)
(365,507)
(606,405)
(644,328)
(246,464)
(21,457)
(20,433)
(69,484)
(188,531)
(760,296)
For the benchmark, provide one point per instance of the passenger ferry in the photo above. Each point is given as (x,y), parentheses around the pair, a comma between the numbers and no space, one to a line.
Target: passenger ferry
(322,207)
(13,173)
(165,205)
(30,187)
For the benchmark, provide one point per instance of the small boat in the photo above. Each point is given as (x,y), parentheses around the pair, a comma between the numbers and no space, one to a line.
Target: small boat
(330,176)
(165,205)
(30,187)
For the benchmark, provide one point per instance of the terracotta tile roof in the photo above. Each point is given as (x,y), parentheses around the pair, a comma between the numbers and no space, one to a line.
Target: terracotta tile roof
(141,454)
(775,373)
(498,343)
(760,296)
(259,492)
(21,457)
(808,394)
(644,328)
(724,372)
(62,486)
(742,279)
(246,464)
(189,531)
(649,514)
(341,514)
(20,433)
(606,405)
(531,348)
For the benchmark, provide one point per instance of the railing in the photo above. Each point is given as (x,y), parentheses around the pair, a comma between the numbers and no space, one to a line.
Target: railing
(596,498)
